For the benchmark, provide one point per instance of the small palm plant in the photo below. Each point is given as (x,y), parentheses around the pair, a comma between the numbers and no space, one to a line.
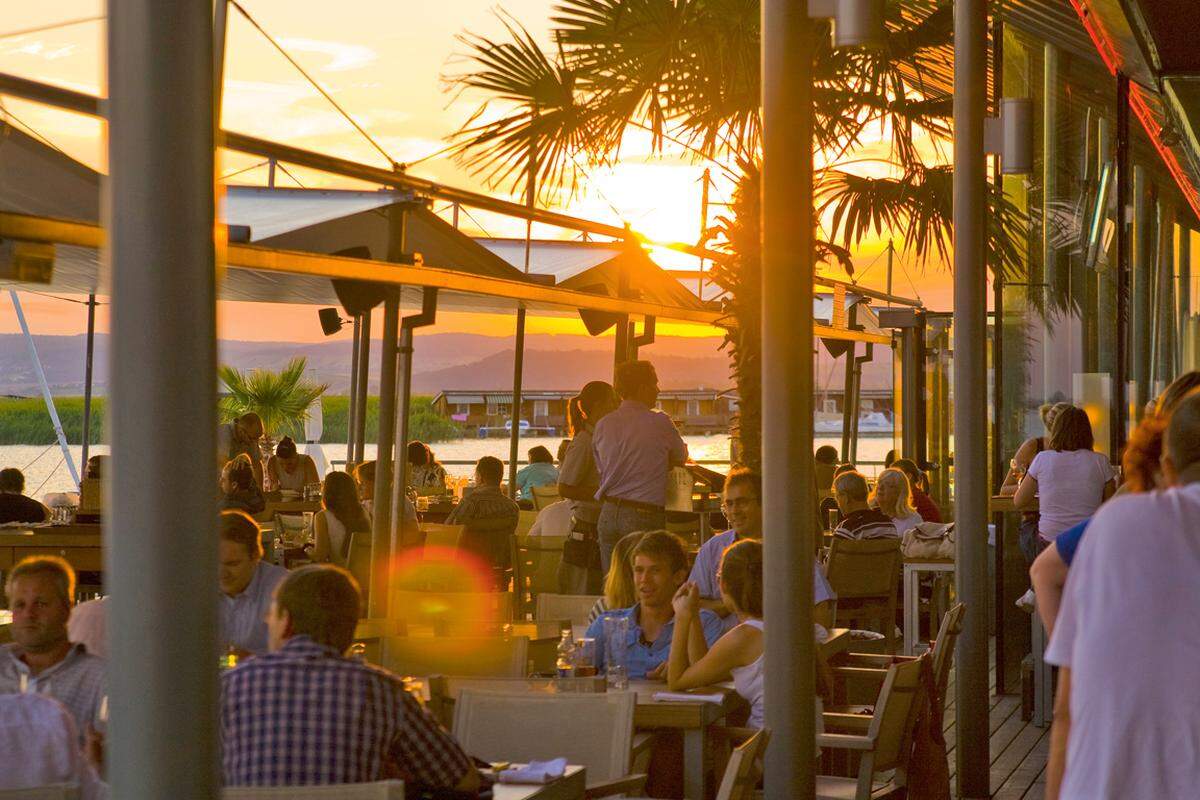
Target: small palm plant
(281,398)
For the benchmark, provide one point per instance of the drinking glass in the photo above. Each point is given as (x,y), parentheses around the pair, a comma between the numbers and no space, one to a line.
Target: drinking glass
(585,658)
(616,652)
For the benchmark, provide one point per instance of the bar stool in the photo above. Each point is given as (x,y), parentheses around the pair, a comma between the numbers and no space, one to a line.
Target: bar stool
(912,598)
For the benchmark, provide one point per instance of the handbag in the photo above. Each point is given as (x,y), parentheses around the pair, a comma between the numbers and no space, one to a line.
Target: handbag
(583,552)
(928,772)
(929,541)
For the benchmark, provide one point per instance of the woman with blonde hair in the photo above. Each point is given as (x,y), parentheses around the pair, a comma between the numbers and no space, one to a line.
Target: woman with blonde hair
(893,496)
(619,591)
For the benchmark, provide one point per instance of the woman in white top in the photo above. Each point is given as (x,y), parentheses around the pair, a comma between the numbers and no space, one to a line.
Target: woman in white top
(342,515)
(739,653)
(893,497)
(288,469)
(1068,480)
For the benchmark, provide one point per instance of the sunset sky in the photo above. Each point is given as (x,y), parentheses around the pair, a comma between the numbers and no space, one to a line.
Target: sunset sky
(385,62)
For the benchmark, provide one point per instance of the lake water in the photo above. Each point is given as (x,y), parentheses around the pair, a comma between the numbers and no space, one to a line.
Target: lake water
(46,471)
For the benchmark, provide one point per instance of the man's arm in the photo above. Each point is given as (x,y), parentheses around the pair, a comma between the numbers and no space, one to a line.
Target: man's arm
(1060,732)
(1048,576)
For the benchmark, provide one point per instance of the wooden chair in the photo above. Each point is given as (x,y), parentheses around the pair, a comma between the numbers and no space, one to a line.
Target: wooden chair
(58,791)
(378,790)
(594,730)
(544,496)
(358,563)
(865,574)
(443,537)
(883,740)
(574,607)
(445,689)
(525,520)
(434,608)
(489,657)
(535,569)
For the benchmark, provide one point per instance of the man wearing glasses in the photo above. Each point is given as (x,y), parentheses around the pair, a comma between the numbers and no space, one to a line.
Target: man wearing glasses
(742,506)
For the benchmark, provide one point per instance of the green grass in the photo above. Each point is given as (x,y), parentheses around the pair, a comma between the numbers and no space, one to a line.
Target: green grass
(25,420)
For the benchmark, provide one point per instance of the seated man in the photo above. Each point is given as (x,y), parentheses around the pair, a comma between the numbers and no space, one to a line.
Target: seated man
(14,505)
(246,584)
(40,743)
(859,520)
(40,591)
(490,518)
(742,505)
(553,520)
(305,714)
(659,569)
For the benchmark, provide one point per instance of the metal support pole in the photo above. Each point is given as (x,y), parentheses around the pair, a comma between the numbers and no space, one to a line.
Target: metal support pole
(788,223)
(1143,248)
(848,410)
(1183,290)
(971,490)
(998,453)
(1120,412)
(514,437)
(352,399)
(161,558)
(381,535)
(706,182)
(45,387)
(89,350)
(360,398)
(408,324)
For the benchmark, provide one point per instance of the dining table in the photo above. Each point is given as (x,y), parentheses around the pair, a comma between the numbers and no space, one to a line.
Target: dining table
(569,787)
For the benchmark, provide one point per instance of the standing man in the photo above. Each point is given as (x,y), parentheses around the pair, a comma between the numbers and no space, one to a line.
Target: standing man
(636,446)
(1127,714)
(742,506)
(242,436)
(42,659)
(246,584)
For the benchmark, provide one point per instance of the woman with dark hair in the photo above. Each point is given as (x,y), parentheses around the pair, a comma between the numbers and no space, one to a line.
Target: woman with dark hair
(425,474)
(289,469)
(342,515)
(539,472)
(239,489)
(918,484)
(1068,481)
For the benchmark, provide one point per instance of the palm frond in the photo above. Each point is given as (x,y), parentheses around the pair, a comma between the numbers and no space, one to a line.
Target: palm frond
(281,398)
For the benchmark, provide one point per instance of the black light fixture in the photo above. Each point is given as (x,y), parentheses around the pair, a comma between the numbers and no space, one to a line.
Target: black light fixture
(331,320)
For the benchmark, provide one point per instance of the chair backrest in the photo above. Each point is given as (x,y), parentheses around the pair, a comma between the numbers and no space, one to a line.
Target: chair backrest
(864,568)
(358,562)
(457,655)
(535,568)
(744,768)
(574,607)
(378,790)
(442,536)
(525,520)
(593,730)
(433,608)
(544,496)
(58,791)
(943,648)
(895,714)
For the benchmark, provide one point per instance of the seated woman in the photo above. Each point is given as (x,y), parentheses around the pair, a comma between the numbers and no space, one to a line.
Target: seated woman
(239,490)
(918,484)
(618,584)
(425,474)
(893,497)
(539,472)
(737,654)
(341,516)
(289,469)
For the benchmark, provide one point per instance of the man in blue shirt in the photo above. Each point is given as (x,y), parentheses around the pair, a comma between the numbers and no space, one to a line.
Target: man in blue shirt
(659,569)
(246,584)
(742,504)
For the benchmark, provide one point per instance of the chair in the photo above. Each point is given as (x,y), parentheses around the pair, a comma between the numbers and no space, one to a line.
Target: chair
(885,742)
(442,536)
(358,562)
(434,607)
(378,790)
(594,730)
(865,574)
(573,607)
(487,657)
(544,496)
(525,520)
(535,569)
(744,768)
(58,791)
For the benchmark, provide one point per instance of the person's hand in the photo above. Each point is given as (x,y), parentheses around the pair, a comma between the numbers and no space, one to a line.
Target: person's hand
(659,673)
(93,749)
(687,600)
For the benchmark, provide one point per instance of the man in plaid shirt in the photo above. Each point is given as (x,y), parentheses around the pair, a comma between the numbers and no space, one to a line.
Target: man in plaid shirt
(303,714)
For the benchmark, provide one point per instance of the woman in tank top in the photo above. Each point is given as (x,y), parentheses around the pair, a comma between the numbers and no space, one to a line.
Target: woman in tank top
(737,654)
(342,515)
(289,469)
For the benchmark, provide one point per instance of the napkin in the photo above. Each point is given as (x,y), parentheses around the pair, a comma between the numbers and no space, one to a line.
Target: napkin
(685,697)
(855,633)
(535,772)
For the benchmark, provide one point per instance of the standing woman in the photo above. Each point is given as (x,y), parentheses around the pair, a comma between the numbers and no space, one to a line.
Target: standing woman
(579,571)
(289,469)
(1068,480)
(342,515)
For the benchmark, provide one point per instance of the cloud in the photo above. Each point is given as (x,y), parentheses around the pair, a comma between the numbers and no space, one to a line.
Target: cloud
(343,56)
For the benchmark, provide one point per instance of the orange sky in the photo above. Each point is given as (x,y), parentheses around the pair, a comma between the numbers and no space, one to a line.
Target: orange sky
(384,60)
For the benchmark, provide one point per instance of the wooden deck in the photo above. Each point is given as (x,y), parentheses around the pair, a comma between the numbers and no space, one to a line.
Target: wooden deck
(1018,749)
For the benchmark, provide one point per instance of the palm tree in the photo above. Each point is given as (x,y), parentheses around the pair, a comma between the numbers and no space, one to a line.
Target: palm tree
(687,71)
(281,398)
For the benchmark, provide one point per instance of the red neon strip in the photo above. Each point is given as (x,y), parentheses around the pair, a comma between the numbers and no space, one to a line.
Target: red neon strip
(1139,104)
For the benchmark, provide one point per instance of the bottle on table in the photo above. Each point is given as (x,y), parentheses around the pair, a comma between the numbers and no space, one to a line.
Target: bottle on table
(566,656)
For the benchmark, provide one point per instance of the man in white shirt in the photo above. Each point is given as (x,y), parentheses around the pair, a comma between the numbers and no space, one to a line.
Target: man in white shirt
(247,583)
(553,520)
(1127,716)
(40,743)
